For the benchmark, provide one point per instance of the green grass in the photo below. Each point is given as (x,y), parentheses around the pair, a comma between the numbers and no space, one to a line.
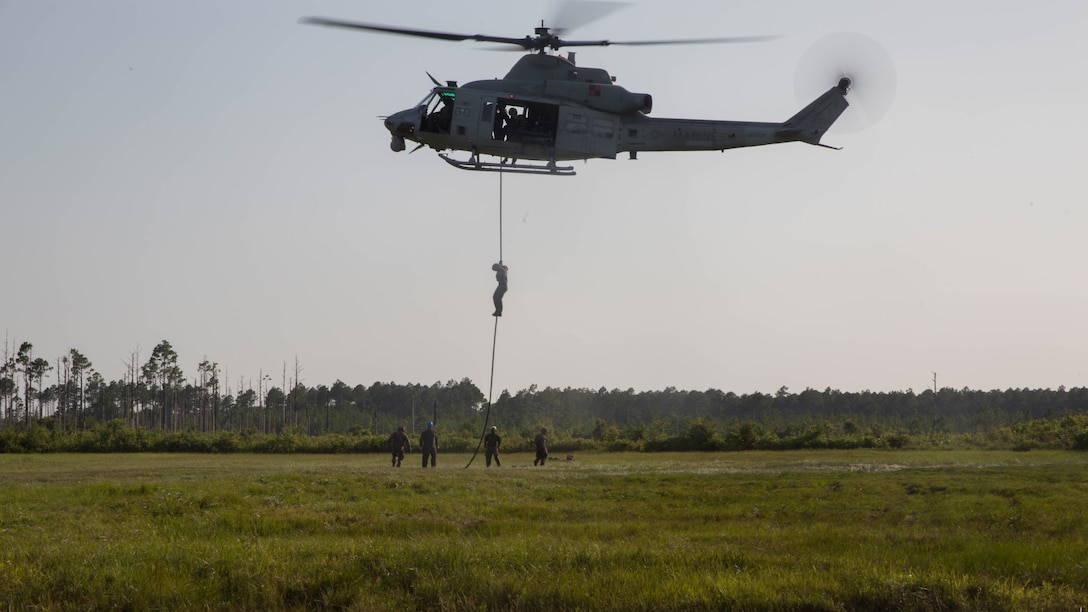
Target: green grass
(809,530)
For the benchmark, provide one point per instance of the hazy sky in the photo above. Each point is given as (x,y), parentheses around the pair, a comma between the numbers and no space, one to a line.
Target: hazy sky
(216,175)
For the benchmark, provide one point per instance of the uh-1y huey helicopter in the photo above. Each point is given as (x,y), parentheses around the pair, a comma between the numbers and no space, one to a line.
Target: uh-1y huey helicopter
(547,110)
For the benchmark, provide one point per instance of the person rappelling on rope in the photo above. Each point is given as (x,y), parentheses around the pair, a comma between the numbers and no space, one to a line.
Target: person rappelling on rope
(500,275)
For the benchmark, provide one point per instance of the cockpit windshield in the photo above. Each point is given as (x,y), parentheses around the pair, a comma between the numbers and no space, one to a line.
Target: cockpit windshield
(446,94)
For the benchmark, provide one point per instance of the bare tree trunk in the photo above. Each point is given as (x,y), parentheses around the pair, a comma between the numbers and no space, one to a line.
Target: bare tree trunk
(294,404)
(63,379)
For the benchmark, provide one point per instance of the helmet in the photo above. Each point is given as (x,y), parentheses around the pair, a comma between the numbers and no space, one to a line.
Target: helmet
(493,428)
(430,423)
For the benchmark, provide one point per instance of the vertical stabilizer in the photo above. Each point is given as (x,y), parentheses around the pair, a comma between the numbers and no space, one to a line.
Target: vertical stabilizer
(813,121)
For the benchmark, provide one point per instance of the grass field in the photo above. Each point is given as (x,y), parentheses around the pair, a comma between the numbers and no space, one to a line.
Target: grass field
(813,530)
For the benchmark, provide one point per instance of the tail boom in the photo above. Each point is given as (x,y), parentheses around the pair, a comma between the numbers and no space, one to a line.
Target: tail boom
(641,133)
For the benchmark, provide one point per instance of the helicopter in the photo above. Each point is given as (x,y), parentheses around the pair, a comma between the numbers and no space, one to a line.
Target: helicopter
(548,110)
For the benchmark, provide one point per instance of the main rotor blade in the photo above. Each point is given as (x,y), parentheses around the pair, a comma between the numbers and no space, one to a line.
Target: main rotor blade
(678,41)
(526,42)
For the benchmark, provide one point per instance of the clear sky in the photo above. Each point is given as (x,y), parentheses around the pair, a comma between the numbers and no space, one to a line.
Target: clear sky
(215,174)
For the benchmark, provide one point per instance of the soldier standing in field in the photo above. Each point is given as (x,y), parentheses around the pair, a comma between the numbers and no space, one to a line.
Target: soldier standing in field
(398,442)
(428,441)
(491,446)
(541,443)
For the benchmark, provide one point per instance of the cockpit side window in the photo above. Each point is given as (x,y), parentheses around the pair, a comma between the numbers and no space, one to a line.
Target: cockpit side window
(438,110)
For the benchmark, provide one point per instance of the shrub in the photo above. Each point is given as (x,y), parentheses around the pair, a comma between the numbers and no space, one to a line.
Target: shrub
(623,446)
(700,436)
(226,442)
(115,437)
(746,436)
(182,442)
(38,440)
(896,440)
(1080,441)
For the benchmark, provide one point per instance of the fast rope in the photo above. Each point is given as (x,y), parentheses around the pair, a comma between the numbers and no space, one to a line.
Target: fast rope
(494,343)
(500,215)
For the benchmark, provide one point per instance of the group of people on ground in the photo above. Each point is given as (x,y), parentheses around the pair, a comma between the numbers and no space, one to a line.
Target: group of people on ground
(428,443)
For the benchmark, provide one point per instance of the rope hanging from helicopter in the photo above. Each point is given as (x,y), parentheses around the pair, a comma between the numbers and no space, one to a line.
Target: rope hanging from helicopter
(494,344)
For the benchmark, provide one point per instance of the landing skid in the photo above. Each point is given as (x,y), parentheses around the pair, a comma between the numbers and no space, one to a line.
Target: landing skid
(474,163)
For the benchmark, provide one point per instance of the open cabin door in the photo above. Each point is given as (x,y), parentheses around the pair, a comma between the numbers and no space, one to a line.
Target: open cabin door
(526,128)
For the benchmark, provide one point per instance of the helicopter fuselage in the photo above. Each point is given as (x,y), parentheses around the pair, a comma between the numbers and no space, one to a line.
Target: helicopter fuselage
(548,109)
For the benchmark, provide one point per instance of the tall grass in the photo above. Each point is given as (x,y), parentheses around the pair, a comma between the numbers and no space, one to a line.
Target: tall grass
(854,530)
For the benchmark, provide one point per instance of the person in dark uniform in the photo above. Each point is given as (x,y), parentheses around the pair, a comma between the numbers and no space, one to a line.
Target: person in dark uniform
(428,441)
(541,443)
(491,446)
(515,124)
(397,443)
(501,272)
(499,127)
(440,119)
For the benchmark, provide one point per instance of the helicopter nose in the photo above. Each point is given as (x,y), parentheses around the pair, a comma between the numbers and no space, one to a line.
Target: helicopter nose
(402,123)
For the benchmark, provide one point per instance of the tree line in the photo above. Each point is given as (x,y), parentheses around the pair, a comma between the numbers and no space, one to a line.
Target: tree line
(155,394)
